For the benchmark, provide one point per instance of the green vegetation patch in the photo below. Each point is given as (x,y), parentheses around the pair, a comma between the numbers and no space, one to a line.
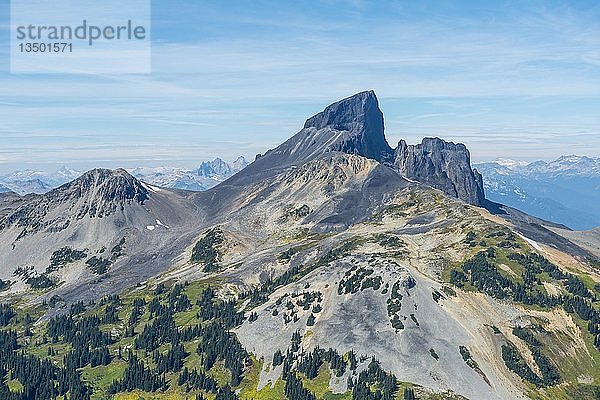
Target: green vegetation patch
(64,256)
(7,312)
(434,354)
(117,250)
(515,362)
(261,294)
(482,272)
(4,285)
(390,241)
(359,279)
(394,305)
(289,253)
(98,265)
(41,281)
(205,250)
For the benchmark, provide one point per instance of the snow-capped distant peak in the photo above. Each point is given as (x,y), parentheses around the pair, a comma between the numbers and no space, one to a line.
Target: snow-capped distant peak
(209,174)
(508,163)
(574,159)
(567,165)
(221,170)
(575,165)
(562,190)
(65,171)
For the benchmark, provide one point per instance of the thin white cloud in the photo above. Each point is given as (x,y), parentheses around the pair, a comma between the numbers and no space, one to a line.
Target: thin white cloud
(434,115)
(176,122)
(263,86)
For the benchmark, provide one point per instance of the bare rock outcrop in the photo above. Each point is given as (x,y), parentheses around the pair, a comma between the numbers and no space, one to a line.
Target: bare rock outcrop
(443,165)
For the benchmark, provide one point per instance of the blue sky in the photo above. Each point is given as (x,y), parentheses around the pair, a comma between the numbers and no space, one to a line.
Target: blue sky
(510,79)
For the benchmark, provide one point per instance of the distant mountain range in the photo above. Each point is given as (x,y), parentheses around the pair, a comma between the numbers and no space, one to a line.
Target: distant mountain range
(209,174)
(558,191)
(30,181)
(563,190)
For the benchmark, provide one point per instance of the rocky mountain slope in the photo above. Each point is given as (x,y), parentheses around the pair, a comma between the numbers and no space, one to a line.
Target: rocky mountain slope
(589,240)
(319,271)
(106,218)
(563,190)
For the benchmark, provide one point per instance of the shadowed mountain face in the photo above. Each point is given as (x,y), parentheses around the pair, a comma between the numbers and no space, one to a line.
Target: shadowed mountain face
(109,186)
(362,119)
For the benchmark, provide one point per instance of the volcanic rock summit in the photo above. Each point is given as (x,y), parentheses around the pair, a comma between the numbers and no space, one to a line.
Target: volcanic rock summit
(108,185)
(443,165)
(361,118)
(355,125)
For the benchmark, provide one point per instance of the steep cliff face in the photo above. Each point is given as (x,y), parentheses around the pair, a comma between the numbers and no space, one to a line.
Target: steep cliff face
(362,119)
(353,125)
(443,165)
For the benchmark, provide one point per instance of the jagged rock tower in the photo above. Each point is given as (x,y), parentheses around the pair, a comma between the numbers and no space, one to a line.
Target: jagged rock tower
(358,124)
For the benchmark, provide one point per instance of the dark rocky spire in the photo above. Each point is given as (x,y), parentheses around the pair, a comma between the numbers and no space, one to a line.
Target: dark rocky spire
(443,165)
(361,117)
